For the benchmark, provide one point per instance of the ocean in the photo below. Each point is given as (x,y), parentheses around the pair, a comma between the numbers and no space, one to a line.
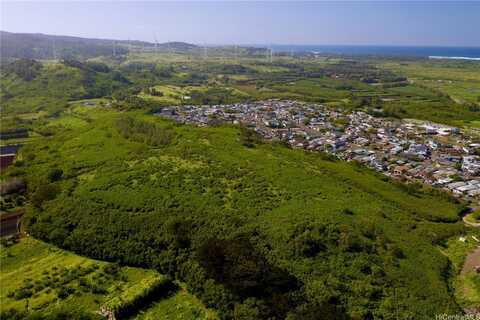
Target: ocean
(468,53)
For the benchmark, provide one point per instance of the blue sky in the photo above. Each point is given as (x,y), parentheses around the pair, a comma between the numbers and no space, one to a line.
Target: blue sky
(442,23)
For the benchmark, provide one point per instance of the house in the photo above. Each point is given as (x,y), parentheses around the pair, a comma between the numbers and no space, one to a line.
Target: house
(6,160)
(466,188)
(443,181)
(455,185)
(474,192)
(430,129)
(400,170)
(14,134)
(9,149)
(11,222)
(471,165)
(8,154)
(419,150)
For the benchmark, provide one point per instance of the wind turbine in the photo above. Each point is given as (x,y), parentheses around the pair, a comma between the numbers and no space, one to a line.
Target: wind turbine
(129,46)
(114,49)
(156,43)
(54,50)
(204,51)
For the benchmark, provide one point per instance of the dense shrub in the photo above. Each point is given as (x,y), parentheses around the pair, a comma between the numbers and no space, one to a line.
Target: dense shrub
(249,138)
(267,232)
(145,132)
(27,69)
(55,175)
(45,192)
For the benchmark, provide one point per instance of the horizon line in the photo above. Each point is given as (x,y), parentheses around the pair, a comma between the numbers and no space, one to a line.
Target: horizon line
(267,44)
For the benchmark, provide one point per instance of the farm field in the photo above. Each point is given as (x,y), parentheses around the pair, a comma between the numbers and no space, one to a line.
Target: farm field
(460,80)
(175,95)
(39,277)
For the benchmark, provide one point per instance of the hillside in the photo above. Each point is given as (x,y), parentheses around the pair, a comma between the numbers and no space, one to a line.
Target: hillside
(28,86)
(46,47)
(254,232)
(50,282)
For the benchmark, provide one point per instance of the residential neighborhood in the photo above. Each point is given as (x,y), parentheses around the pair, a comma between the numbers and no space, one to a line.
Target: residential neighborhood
(410,150)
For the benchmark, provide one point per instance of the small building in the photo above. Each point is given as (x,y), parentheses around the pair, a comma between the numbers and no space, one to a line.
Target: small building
(11,223)
(6,160)
(400,170)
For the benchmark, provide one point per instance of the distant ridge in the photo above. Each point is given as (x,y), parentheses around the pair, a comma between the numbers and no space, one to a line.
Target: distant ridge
(43,46)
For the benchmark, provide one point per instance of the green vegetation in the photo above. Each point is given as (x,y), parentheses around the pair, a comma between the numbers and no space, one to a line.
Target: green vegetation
(179,306)
(225,217)
(440,91)
(458,79)
(474,217)
(37,277)
(51,87)
(466,282)
(254,230)
(193,95)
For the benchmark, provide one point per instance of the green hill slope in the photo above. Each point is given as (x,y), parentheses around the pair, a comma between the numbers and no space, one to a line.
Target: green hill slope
(42,46)
(254,232)
(29,87)
(42,280)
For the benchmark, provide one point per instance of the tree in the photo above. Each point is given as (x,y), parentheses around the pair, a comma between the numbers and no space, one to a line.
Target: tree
(55,175)
(44,193)
(249,137)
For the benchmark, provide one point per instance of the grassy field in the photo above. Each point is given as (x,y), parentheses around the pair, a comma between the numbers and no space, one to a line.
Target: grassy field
(469,289)
(474,217)
(194,94)
(41,277)
(460,80)
(466,284)
(179,306)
